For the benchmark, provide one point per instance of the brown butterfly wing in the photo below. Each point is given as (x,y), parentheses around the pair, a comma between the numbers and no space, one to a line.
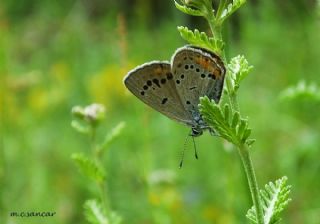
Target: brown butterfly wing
(154,84)
(197,72)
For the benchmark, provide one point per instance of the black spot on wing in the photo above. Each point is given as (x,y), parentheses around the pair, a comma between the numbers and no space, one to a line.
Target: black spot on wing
(169,75)
(164,100)
(212,76)
(156,81)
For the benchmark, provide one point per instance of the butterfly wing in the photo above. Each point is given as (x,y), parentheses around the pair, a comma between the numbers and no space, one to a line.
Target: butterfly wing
(153,83)
(197,72)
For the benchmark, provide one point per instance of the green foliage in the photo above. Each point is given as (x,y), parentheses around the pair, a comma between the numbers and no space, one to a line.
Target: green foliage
(238,69)
(89,167)
(301,90)
(37,142)
(96,214)
(188,10)
(275,197)
(80,127)
(111,136)
(227,123)
(230,9)
(204,8)
(201,39)
(86,120)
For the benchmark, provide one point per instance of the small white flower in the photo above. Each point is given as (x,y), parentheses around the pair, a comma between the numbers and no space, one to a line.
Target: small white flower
(94,112)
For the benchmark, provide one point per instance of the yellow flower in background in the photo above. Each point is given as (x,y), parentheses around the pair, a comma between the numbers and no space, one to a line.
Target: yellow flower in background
(14,92)
(163,194)
(38,99)
(154,198)
(60,72)
(52,90)
(107,86)
(211,213)
(214,214)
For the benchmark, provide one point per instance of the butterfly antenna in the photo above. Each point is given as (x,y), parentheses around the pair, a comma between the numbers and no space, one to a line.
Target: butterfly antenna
(183,151)
(195,148)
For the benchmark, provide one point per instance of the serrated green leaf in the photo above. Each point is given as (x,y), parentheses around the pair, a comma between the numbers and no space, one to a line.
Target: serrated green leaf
(251,215)
(275,197)
(80,127)
(235,119)
(246,134)
(235,132)
(88,167)
(188,10)
(241,127)
(111,136)
(95,213)
(218,113)
(238,69)
(201,39)
(231,8)
(227,113)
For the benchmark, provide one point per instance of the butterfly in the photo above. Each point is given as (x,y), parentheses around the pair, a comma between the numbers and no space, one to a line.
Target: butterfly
(173,88)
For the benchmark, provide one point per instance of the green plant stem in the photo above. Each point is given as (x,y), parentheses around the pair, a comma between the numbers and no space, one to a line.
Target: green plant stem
(101,185)
(252,181)
(231,94)
(243,149)
(217,33)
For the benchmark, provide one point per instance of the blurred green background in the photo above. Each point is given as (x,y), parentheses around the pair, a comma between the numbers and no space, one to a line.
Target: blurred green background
(57,54)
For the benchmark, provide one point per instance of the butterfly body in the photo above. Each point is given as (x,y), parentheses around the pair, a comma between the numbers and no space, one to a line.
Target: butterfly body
(173,88)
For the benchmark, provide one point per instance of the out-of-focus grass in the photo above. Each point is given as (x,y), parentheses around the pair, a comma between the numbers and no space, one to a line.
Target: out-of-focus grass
(50,64)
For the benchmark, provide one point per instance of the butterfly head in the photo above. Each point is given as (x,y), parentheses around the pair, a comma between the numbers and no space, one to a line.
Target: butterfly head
(199,125)
(196,131)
